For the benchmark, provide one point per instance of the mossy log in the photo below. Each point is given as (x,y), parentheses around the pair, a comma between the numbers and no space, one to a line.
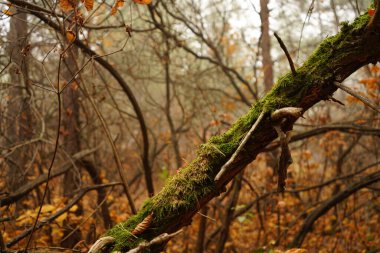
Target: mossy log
(173,207)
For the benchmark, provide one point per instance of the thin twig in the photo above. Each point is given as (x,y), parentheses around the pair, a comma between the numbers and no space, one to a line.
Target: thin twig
(226,166)
(113,146)
(54,155)
(157,240)
(360,97)
(88,216)
(282,45)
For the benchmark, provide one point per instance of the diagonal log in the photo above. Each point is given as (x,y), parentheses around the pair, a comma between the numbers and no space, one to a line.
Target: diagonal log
(174,206)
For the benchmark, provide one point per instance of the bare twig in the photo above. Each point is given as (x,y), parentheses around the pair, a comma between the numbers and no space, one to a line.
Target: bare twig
(114,149)
(158,240)
(282,45)
(226,166)
(88,216)
(285,159)
(360,97)
(54,155)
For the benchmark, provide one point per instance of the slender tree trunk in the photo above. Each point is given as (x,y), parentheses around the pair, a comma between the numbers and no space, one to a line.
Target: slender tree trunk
(199,247)
(266,46)
(173,132)
(70,134)
(19,126)
(229,213)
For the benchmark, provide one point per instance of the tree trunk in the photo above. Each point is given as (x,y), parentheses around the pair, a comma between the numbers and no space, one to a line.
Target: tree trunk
(71,138)
(174,206)
(19,119)
(265,45)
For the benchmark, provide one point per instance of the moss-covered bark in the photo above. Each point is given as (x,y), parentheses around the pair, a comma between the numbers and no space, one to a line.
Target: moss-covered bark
(185,193)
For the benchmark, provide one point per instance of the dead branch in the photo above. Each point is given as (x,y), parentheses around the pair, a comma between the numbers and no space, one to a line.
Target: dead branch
(358,96)
(282,45)
(158,240)
(226,166)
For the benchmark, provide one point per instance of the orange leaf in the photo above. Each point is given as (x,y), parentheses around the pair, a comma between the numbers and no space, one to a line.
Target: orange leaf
(7,12)
(118,4)
(10,11)
(142,1)
(375,69)
(70,35)
(89,4)
(66,5)
(371,12)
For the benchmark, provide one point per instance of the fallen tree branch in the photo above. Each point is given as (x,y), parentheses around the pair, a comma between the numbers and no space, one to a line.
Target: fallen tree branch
(25,189)
(194,185)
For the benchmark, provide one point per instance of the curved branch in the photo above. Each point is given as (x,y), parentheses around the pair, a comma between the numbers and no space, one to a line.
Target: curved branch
(327,205)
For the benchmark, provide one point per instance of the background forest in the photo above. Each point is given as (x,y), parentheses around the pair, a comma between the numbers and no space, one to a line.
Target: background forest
(106,100)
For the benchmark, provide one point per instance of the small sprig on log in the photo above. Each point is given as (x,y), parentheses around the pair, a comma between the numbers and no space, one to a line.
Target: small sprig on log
(226,166)
(282,45)
(163,238)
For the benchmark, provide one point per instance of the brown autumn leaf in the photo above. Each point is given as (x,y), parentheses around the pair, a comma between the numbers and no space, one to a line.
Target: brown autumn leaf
(118,4)
(66,5)
(142,1)
(70,35)
(10,11)
(7,12)
(89,4)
